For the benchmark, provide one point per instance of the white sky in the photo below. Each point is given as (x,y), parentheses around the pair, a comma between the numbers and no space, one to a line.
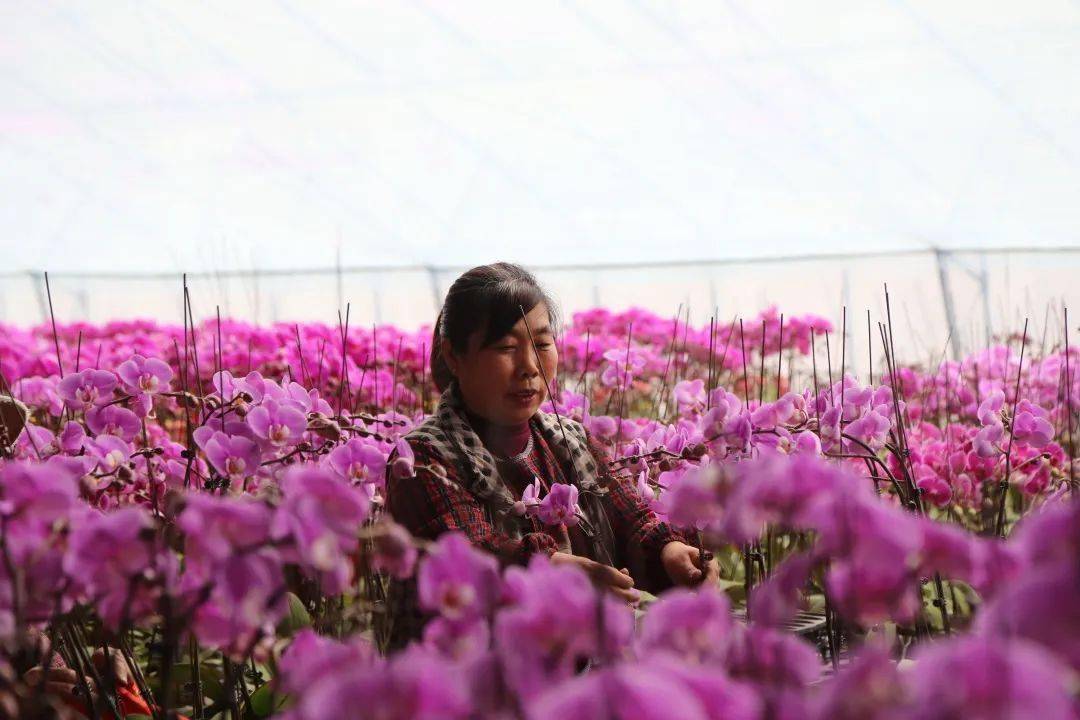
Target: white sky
(171,136)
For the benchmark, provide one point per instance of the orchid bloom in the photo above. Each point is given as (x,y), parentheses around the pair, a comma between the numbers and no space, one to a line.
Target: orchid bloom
(530,499)
(83,390)
(142,375)
(560,506)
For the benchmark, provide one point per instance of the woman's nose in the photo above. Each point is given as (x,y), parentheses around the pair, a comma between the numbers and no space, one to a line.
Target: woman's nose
(528,366)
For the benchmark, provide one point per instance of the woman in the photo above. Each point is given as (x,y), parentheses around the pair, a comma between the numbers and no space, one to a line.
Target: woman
(488,441)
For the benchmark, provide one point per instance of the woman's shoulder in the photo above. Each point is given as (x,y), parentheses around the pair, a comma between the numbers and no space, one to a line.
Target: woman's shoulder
(427,436)
(579,435)
(554,421)
(425,431)
(431,451)
(577,430)
(432,441)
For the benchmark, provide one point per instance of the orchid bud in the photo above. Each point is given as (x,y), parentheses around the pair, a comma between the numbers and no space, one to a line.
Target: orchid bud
(88,485)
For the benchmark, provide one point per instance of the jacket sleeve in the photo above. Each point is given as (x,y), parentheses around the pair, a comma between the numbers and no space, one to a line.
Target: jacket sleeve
(428,505)
(639,533)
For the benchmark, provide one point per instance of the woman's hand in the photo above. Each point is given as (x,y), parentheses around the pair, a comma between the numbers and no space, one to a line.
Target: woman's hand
(64,682)
(682,563)
(61,682)
(618,582)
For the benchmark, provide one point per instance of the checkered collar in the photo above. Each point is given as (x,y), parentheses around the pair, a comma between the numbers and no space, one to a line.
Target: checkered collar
(450,432)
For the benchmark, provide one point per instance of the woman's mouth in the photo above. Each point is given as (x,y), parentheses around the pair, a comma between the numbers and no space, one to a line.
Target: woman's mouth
(525,397)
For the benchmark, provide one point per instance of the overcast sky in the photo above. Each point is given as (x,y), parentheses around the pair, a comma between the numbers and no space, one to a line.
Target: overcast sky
(169,136)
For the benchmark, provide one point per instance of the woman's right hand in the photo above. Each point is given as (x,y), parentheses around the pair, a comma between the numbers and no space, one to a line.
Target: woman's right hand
(61,682)
(617,582)
(64,682)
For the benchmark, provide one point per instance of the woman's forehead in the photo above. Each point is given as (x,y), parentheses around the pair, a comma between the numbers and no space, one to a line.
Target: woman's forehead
(538,322)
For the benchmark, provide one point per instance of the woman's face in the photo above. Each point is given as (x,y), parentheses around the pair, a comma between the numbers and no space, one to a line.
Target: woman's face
(503,382)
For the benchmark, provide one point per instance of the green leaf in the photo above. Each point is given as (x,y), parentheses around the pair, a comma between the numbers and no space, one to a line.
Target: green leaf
(815,602)
(261,698)
(886,632)
(297,618)
(735,589)
(647,598)
(213,686)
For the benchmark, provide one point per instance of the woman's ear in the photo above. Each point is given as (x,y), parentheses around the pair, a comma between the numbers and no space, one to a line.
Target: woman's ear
(449,356)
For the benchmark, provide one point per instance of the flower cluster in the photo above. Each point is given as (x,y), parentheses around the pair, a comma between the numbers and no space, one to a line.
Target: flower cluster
(223,488)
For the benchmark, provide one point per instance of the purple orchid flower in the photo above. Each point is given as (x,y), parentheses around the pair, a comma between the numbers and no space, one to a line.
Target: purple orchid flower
(986,441)
(113,420)
(987,677)
(530,499)
(871,428)
(360,462)
(72,437)
(990,408)
(643,488)
(214,527)
(110,451)
(394,551)
(246,601)
(418,683)
(456,580)
(549,622)
(807,443)
(603,427)
(404,464)
(234,456)
(764,417)
(869,688)
(571,404)
(322,516)
(253,385)
(560,506)
(617,371)
(695,626)
(1032,429)
(41,393)
(106,552)
(690,393)
(694,498)
(277,424)
(310,658)
(37,503)
(626,692)
(458,639)
(774,657)
(933,487)
(83,390)
(145,376)
(721,697)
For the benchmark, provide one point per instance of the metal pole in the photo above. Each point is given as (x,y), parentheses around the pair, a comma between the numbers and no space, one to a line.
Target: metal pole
(984,286)
(940,257)
(38,279)
(337,270)
(845,300)
(436,295)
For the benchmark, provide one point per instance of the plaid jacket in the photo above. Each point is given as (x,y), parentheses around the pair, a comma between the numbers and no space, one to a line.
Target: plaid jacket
(476,497)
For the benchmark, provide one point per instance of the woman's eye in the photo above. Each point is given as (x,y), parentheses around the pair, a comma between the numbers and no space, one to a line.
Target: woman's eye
(543,346)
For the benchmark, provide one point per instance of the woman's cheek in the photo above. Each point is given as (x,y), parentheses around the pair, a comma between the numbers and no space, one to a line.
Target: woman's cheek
(551,365)
(502,373)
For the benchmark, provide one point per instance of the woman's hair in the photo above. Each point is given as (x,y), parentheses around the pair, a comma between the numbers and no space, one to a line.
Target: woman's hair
(487,298)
